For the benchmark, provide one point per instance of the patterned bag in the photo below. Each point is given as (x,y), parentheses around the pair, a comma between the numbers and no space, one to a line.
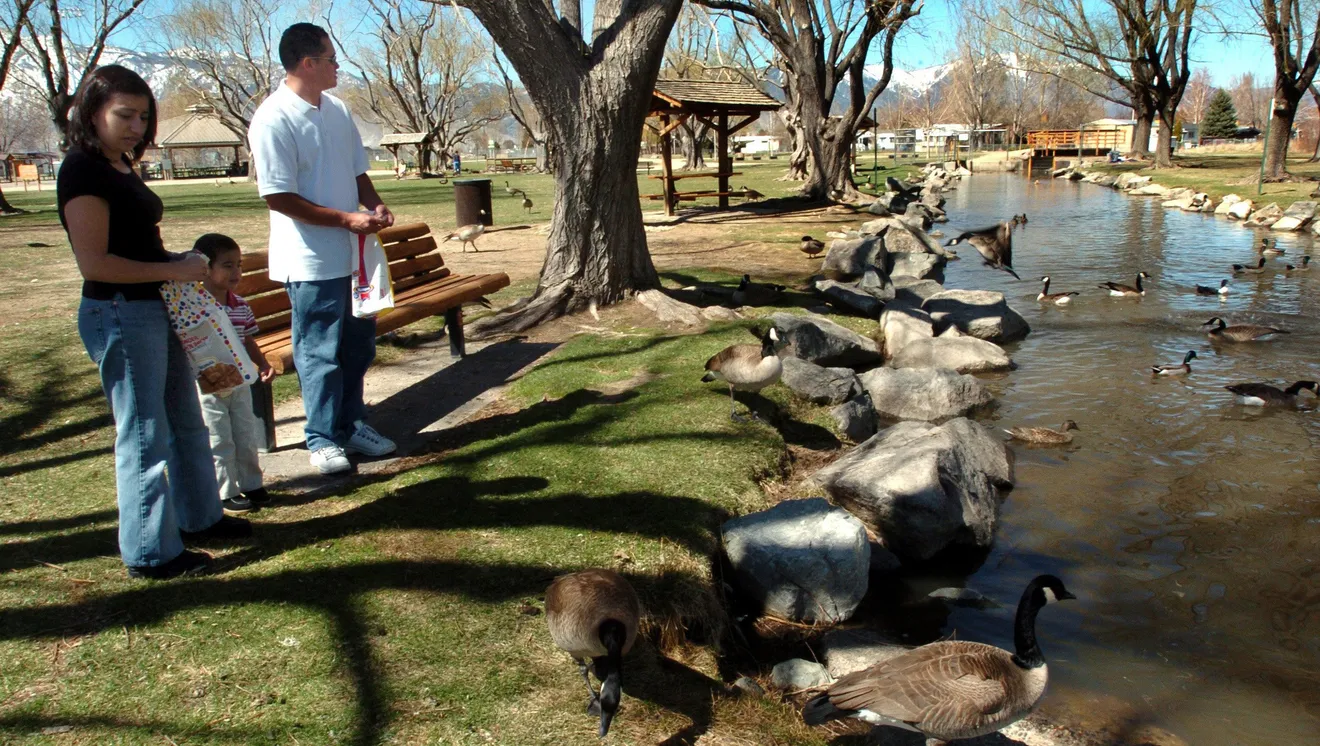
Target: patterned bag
(213,345)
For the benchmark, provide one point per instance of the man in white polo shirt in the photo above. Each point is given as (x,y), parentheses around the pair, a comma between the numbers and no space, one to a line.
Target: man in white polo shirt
(312,172)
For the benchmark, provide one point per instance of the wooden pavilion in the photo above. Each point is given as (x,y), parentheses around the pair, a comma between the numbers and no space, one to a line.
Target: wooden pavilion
(393,142)
(200,129)
(713,103)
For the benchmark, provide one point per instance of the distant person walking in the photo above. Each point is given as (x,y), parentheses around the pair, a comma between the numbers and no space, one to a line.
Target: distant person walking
(164,477)
(312,172)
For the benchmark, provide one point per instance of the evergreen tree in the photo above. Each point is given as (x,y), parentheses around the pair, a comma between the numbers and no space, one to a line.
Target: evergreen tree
(1221,117)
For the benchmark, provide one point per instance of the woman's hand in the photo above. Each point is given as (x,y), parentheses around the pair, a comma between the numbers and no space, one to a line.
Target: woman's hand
(190,267)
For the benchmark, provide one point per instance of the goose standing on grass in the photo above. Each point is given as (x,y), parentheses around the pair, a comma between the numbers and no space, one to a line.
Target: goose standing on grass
(950,689)
(1306,265)
(1175,370)
(512,192)
(1265,395)
(1223,289)
(1240,332)
(746,368)
(994,244)
(1248,269)
(527,203)
(811,247)
(1058,299)
(756,294)
(1044,435)
(1127,291)
(594,614)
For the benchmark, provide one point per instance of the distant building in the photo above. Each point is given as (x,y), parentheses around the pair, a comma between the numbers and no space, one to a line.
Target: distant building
(1125,129)
(756,144)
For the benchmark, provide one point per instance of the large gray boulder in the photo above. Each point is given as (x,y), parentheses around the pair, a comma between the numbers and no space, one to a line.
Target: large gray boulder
(961,353)
(1149,190)
(922,487)
(1295,217)
(1265,217)
(856,417)
(983,314)
(1240,210)
(851,297)
(877,284)
(819,385)
(914,291)
(901,322)
(802,560)
(798,674)
(849,258)
(816,339)
(849,650)
(1227,202)
(923,393)
(917,266)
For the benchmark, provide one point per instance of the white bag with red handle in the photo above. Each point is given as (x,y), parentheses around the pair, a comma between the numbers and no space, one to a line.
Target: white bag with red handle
(373,291)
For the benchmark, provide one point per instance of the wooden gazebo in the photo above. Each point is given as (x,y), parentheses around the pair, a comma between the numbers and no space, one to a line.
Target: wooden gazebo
(712,103)
(393,142)
(200,129)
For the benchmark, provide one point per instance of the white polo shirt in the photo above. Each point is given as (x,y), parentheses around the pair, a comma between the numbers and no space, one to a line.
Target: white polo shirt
(314,152)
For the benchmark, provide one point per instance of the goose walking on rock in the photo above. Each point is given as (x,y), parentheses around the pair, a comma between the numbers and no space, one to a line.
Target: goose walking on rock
(1265,395)
(1128,291)
(1044,435)
(746,368)
(1222,290)
(950,689)
(1175,370)
(994,244)
(1240,332)
(1059,299)
(594,615)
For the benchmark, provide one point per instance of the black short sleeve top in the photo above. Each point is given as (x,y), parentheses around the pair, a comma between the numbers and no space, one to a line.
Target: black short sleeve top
(135,213)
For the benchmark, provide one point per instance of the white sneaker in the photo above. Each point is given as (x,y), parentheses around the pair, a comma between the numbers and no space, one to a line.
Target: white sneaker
(368,442)
(331,460)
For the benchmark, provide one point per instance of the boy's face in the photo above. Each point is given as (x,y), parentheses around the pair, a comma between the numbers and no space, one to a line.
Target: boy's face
(226,270)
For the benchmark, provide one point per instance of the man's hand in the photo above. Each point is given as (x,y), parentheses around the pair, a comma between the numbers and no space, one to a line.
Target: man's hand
(363,223)
(384,215)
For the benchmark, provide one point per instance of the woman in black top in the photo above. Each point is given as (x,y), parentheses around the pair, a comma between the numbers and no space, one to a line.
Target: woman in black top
(112,219)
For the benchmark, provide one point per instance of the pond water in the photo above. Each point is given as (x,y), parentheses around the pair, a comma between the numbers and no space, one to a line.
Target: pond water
(1188,525)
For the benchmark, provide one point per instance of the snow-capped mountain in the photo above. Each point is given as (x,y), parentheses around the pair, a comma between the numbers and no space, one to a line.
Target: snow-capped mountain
(912,82)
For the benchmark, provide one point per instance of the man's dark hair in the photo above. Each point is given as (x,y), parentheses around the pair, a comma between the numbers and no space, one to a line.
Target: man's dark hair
(300,41)
(212,245)
(95,93)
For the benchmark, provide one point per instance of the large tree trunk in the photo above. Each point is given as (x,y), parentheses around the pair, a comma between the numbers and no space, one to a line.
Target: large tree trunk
(1164,140)
(696,137)
(1276,144)
(798,157)
(5,207)
(1141,135)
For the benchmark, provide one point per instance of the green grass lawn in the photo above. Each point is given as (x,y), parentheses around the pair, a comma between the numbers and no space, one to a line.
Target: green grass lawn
(1228,173)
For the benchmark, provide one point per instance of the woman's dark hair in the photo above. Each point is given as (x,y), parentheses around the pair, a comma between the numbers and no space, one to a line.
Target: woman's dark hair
(300,41)
(95,93)
(212,245)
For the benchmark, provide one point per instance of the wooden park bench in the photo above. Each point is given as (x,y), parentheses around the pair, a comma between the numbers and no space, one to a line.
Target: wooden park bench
(423,287)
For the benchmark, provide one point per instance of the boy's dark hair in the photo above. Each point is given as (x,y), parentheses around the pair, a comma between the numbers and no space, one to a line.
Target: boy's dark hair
(213,245)
(300,41)
(94,93)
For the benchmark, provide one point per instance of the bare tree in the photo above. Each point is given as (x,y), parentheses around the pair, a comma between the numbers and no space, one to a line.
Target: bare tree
(23,125)
(419,74)
(978,77)
(1295,37)
(528,119)
(231,47)
(1248,101)
(822,45)
(1200,87)
(67,38)
(592,94)
(11,26)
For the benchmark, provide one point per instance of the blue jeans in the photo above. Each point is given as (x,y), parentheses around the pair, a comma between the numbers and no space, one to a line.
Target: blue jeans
(163,469)
(332,350)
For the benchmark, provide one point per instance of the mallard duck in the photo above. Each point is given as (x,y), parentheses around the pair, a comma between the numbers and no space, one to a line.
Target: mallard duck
(1129,291)
(994,244)
(1265,395)
(811,247)
(468,234)
(1240,332)
(950,689)
(1059,299)
(746,368)
(1270,247)
(1044,435)
(1020,219)
(756,294)
(594,614)
(1223,289)
(1306,265)
(751,194)
(1246,269)
(1175,370)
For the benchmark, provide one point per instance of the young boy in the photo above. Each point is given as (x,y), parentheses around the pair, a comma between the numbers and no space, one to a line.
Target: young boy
(235,430)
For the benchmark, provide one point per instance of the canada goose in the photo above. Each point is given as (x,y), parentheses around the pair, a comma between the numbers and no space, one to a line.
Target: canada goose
(1239,269)
(756,294)
(811,247)
(594,614)
(1059,299)
(995,244)
(751,194)
(1223,289)
(1265,395)
(746,368)
(1306,265)
(512,192)
(468,234)
(1175,370)
(1044,435)
(1127,290)
(1240,332)
(527,203)
(950,689)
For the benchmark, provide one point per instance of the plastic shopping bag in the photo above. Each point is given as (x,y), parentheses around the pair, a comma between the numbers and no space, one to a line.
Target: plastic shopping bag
(213,345)
(373,292)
